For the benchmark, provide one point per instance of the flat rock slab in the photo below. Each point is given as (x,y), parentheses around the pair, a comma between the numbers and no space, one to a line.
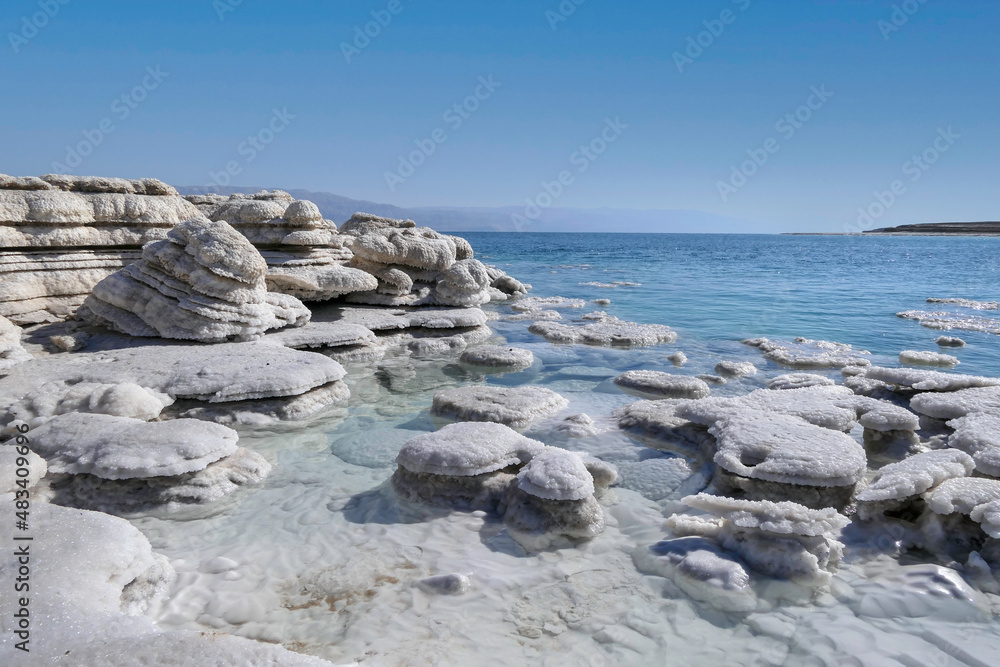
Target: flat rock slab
(663,385)
(514,406)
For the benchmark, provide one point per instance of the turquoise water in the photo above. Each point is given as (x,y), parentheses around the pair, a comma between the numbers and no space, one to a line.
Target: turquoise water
(726,287)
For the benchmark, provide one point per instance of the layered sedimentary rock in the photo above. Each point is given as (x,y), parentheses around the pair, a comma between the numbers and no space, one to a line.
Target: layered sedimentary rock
(204,282)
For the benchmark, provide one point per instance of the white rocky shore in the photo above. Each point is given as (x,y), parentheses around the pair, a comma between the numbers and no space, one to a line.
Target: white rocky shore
(308,443)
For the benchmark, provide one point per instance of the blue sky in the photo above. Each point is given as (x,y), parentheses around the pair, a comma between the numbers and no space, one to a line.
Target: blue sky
(321,119)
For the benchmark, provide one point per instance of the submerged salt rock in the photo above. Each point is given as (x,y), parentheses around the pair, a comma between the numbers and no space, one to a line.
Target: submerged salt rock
(467,448)
(978,434)
(784,518)
(959,403)
(916,474)
(889,417)
(735,369)
(126,399)
(799,381)
(804,353)
(498,356)
(712,379)
(658,420)
(538,523)
(122,448)
(923,358)
(533,303)
(663,385)
(788,450)
(924,380)
(962,495)
(950,341)
(578,426)
(445,584)
(608,331)
(677,358)
(556,474)
(514,406)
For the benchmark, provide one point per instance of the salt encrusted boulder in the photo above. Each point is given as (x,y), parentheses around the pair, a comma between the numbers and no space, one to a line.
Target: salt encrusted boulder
(499,356)
(889,417)
(828,407)
(987,516)
(11,351)
(125,399)
(419,247)
(464,283)
(923,358)
(898,484)
(9,465)
(978,434)
(799,381)
(804,353)
(955,404)
(121,448)
(608,331)
(314,276)
(517,407)
(702,570)
(556,474)
(923,380)
(510,287)
(663,385)
(950,341)
(657,421)
(783,540)
(366,223)
(537,523)
(962,495)
(204,282)
(227,375)
(735,369)
(381,319)
(677,358)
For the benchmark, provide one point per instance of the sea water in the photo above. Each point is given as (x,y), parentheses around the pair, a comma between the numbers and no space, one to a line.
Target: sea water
(323,558)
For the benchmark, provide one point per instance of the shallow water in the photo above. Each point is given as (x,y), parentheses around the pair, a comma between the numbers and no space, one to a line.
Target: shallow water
(322,558)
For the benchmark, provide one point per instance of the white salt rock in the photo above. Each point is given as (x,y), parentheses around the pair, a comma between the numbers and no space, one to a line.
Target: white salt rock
(988,516)
(464,283)
(924,358)
(735,369)
(677,358)
(978,434)
(466,449)
(514,406)
(546,303)
(11,352)
(889,417)
(916,474)
(918,591)
(950,341)
(783,518)
(121,400)
(785,449)
(578,426)
(556,474)
(820,406)
(799,381)
(602,302)
(122,448)
(608,332)
(959,403)
(962,495)
(804,353)
(712,379)
(322,334)
(417,247)
(445,584)
(664,385)
(498,356)
(924,380)
(9,478)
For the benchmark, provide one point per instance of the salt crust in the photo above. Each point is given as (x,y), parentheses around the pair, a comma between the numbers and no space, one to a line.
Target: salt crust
(56,398)
(804,353)
(11,352)
(962,495)
(955,404)
(122,448)
(513,406)
(735,369)
(924,358)
(924,380)
(916,474)
(498,356)
(540,303)
(799,381)
(889,417)
(465,449)
(8,468)
(664,385)
(978,434)
(607,331)
(555,474)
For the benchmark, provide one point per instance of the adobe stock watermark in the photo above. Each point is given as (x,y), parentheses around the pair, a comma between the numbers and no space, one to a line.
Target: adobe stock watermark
(901,14)
(223,7)
(788,125)
(363,36)
(455,116)
(121,108)
(914,169)
(582,158)
(697,44)
(251,147)
(31,25)
(562,13)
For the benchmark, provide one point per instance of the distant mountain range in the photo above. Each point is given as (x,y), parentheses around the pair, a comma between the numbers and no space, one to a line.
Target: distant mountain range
(501,219)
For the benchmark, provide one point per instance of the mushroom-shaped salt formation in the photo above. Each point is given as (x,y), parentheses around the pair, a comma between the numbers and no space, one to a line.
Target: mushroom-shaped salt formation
(464,283)
(735,369)
(978,434)
(783,540)
(898,484)
(463,463)
(499,356)
(955,404)
(887,424)
(663,385)
(962,495)
(517,407)
(553,499)
(925,358)
(799,381)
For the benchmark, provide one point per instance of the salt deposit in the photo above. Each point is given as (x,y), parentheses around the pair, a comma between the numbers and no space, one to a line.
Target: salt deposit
(513,406)
(663,385)
(498,356)
(924,358)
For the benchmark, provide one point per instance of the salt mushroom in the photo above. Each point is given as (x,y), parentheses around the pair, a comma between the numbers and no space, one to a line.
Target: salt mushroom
(899,484)
(886,423)
(499,356)
(978,434)
(464,283)
(664,385)
(517,407)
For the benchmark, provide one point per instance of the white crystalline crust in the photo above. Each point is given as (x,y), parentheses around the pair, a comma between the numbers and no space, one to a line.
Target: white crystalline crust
(609,331)
(889,417)
(784,518)
(418,247)
(799,381)
(541,303)
(967,303)
(962,495)
(959,403)
(949,341)
(804,353)
(923,380)
(785,449)
(925,358)
(988,516)
(9,464)
(126,399)
(946,321)
(664,385)
(916,474)
(466,449)
(121,448)
(464,283)
(11,352)
(825,406)
(978,434)
(380,319)
(514,406)
(735,369)
(555,474)
(322,334)
(498,356)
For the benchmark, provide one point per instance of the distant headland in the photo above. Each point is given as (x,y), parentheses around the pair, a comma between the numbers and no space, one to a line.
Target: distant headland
(942,229)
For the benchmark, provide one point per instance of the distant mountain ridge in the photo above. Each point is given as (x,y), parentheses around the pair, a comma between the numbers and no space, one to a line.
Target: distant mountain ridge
(501,219)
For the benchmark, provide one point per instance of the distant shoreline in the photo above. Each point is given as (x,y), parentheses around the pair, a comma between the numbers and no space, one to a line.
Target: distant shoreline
(922,229)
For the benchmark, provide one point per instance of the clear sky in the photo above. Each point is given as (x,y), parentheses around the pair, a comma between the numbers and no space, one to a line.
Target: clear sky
(183,86)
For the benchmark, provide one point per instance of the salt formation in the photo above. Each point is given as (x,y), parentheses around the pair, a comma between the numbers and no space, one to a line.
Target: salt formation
(978,434)
(945,321)
(924,380)
(825,406)
(545,494)
(11,351)
(898,484)
(663,385)
(735,369)
(799,381)
(804,353)
(517,407)
(539,303)
(606,331)
(8,469)
(677,358)
(783,540)
(950,341)
(658,421)
(125,399)
(968,303)
(322,334)
(499,356)
(64,234)
(919,358)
